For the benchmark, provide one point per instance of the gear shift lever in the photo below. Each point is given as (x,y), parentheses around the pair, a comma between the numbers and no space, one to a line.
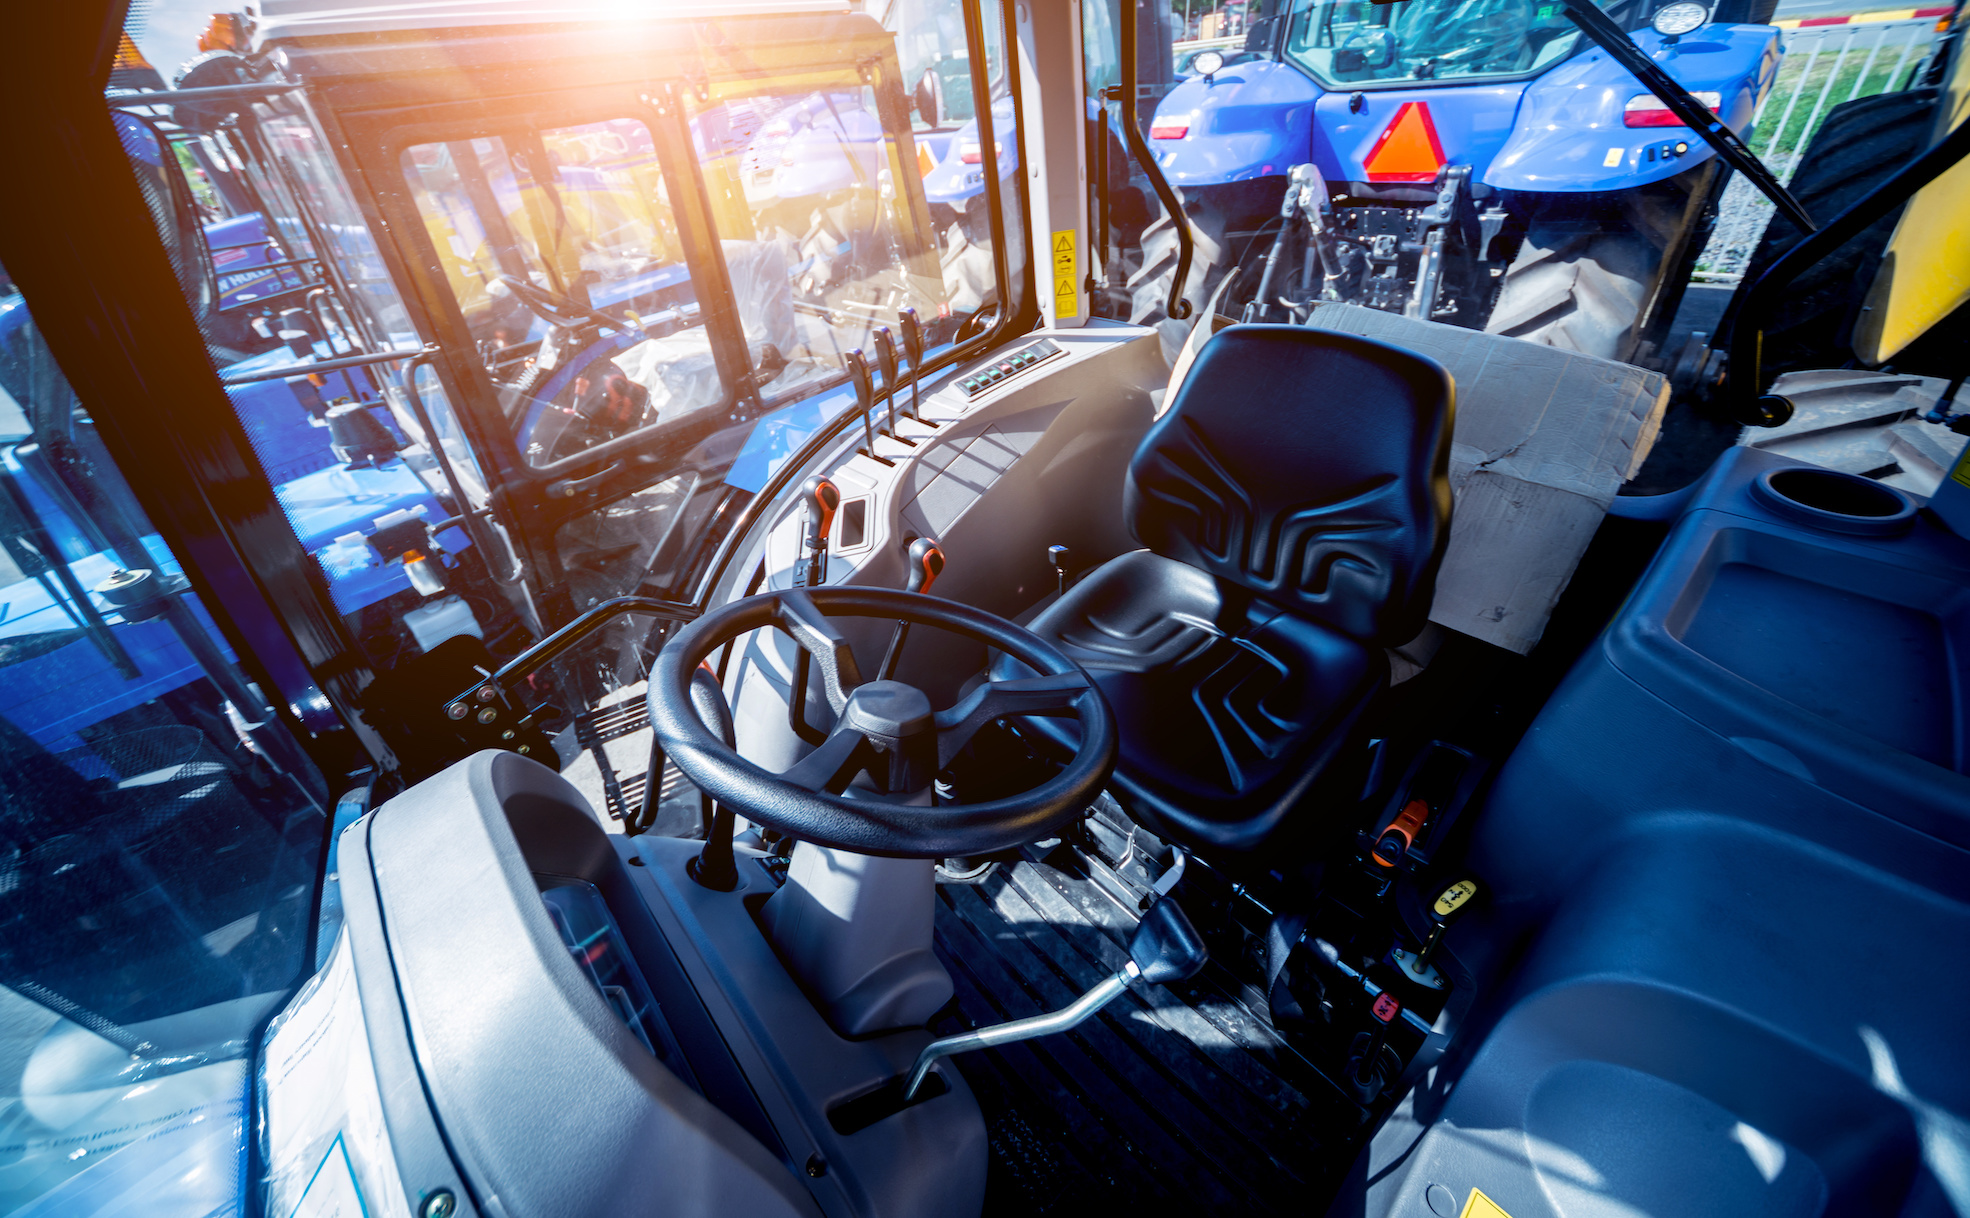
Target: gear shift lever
(1164,949)
(926,563)
(865,401)
(819,499)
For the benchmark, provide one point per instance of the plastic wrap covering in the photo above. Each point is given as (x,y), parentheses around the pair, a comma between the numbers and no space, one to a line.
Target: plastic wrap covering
(679,370)
(322,1134)
(102,1118)
(758,270)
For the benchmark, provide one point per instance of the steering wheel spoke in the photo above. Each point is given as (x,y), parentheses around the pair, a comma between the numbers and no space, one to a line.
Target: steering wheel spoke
(832,765)
(817,636)
(1052,694)
(885,729)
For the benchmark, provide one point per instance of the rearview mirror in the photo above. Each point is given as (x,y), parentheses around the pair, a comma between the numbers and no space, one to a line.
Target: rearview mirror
(929,98)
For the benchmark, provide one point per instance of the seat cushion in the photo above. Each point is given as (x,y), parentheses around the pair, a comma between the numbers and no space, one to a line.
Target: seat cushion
(1228,707)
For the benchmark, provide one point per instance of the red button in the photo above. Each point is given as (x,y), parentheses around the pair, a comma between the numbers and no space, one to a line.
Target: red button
(1386,1007)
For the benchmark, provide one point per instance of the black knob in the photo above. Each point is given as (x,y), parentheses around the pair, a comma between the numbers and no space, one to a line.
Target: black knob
(926,564)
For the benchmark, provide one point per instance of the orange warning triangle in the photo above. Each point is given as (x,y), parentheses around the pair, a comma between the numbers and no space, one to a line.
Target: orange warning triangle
(1408,150)
(925,163)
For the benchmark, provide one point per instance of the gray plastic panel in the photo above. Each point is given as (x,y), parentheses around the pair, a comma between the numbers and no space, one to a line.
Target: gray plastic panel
(424,1163)
(927,1161)
(550,1104)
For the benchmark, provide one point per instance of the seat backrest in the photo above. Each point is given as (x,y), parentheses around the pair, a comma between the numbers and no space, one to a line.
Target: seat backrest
(1309,467)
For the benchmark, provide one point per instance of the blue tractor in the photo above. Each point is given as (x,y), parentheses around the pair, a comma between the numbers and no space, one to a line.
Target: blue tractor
(1476,162)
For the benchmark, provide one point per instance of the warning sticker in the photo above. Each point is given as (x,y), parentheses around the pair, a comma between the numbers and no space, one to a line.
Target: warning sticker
(1066,284)
(1481,1206)
(1613,158)
(1962,471)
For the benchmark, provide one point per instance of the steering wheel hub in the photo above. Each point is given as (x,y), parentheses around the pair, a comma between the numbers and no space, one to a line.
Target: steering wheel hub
(896,721)
(886,730)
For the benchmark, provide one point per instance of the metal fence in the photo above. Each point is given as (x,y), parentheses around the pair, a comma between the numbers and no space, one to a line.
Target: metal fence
(1824,66)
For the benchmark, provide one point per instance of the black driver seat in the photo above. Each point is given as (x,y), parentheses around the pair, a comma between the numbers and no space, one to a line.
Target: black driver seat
(1295,502)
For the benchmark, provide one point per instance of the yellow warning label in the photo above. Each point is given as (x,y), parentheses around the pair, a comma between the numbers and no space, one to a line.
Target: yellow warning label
(1481,1206)
(1962,471)
(1066,283)
(1454,896)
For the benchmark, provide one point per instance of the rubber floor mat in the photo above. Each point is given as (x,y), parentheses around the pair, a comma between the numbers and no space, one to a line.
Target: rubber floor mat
(1168,1098)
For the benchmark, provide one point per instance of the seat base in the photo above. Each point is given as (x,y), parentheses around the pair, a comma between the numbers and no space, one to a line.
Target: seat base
(1229,708)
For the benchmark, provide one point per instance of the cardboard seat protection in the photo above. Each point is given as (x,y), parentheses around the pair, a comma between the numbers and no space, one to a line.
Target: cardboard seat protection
(1543,440)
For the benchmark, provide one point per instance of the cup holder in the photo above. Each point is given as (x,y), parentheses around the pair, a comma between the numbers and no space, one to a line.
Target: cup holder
(1837,502)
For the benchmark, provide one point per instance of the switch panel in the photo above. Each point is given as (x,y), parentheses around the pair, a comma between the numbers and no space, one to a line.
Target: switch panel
(1008,366)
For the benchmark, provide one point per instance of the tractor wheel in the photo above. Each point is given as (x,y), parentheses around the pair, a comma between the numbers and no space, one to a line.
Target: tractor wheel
(1576,286)
(1860,144)
(1584,270)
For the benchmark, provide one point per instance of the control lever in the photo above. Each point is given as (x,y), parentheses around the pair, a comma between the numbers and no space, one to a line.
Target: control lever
(886,360)
(1366,1071)
(1164,949)
(1397,840)
(819,500)
(713,868)
(865,401)
(1057,557)
(913,348)
(926,563)
(1449,903)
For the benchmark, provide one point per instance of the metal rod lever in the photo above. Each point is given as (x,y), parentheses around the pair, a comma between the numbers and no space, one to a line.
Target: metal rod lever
(913,348)
(1071,1016)
(886,360)
(865,401)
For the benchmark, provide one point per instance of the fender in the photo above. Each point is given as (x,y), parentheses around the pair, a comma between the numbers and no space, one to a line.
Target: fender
(1251,120)
(953,183)
(1570,136)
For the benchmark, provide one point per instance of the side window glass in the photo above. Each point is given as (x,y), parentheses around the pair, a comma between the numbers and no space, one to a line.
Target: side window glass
(160,835)
(547,238)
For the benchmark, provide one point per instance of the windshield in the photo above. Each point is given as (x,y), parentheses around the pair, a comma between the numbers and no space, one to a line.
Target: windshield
(1351,43)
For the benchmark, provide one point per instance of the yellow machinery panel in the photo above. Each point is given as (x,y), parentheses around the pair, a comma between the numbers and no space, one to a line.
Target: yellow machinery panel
(1925,275)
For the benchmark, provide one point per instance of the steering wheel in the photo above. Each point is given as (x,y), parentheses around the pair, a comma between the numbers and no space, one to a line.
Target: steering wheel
(885,729)
(554,308)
